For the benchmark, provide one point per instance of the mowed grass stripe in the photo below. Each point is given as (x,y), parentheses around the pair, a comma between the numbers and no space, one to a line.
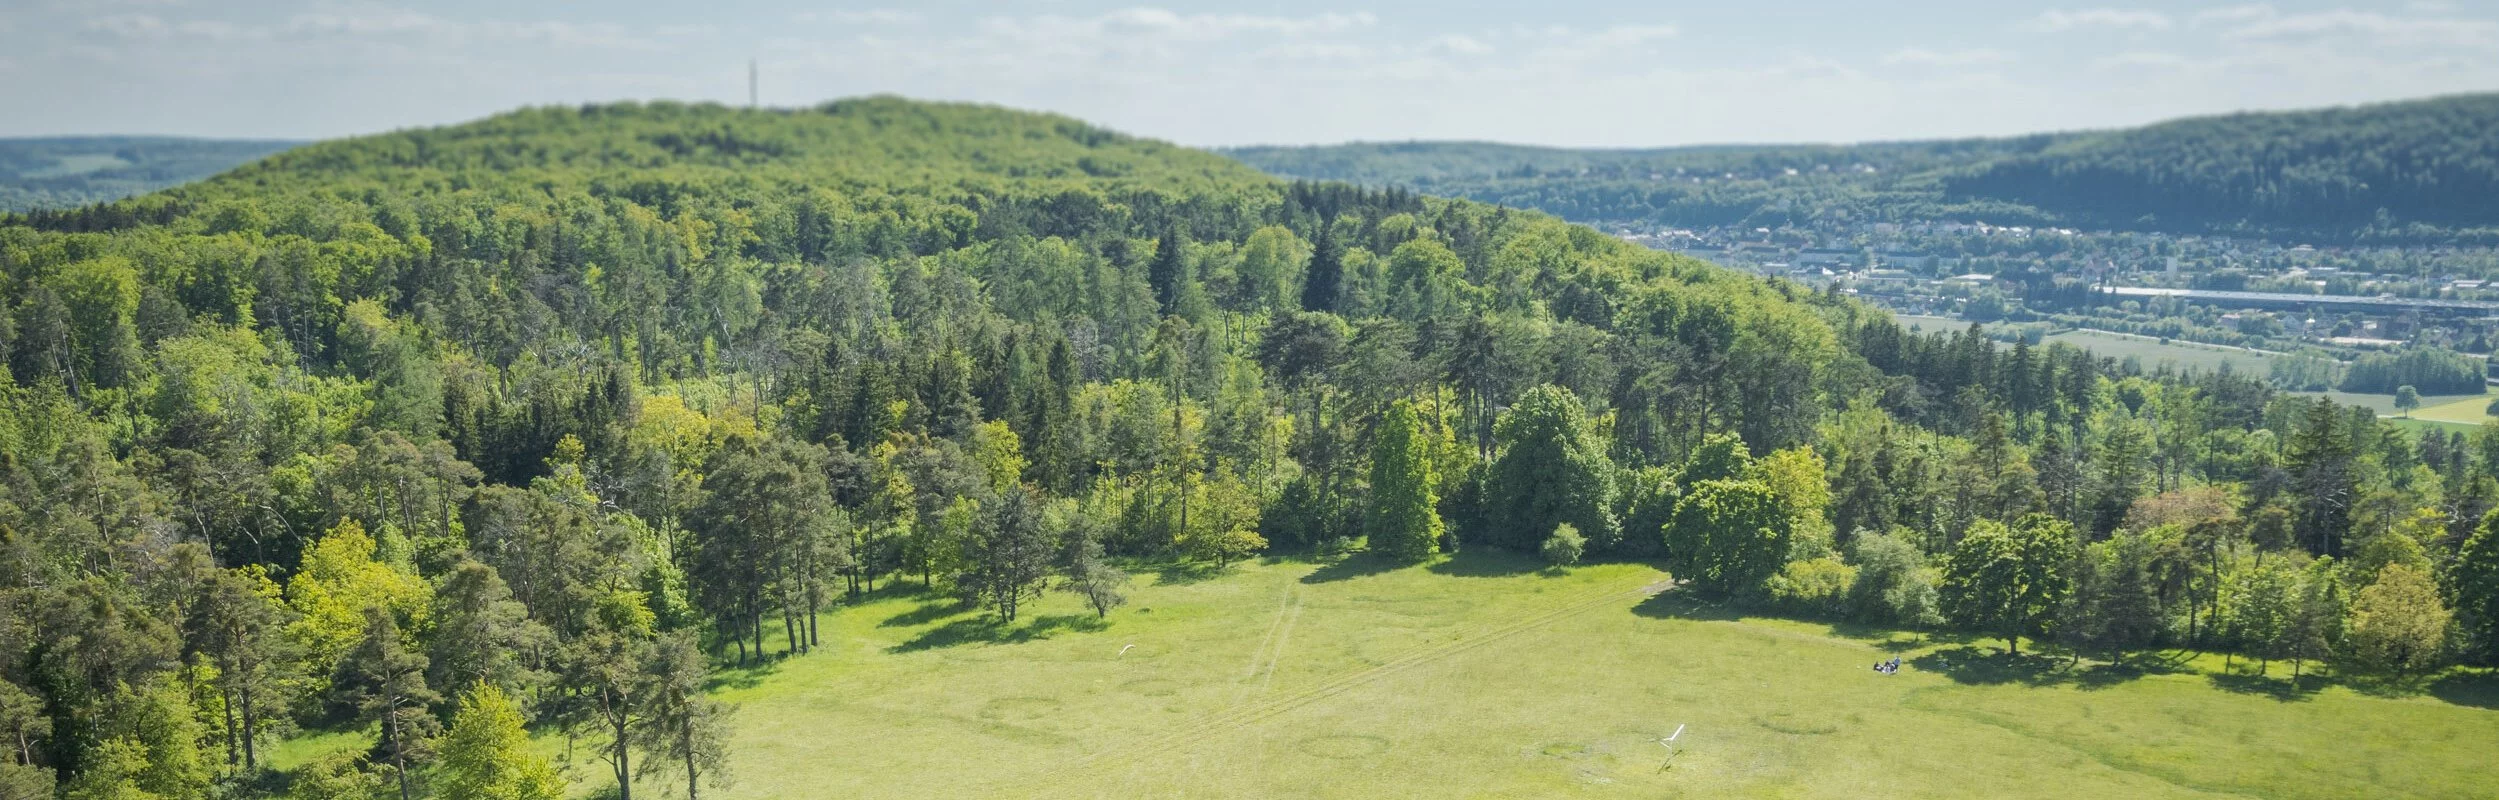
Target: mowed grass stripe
(1241,716)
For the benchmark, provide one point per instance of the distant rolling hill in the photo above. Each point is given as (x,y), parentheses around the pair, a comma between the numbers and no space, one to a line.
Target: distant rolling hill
(2411,171)
(70,171)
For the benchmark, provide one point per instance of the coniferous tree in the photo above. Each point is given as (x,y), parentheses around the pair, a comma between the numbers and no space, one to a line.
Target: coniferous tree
(683,731)
(482,635)
(1007,560)
(384,680)
(1323,281)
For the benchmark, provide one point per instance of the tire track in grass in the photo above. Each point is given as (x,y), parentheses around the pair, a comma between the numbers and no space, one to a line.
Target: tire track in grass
(1240,716)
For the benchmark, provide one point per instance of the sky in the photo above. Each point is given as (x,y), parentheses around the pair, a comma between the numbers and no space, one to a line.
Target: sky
(1621,73)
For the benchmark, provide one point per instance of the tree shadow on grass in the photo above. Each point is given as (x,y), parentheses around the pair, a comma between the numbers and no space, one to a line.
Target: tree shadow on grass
(928,612)
(2479,689)
(2278,687)
(1984,666)
(729,675)
(1687,605)
(988,629)
(1479,563)
(1350,567)
(1185,572)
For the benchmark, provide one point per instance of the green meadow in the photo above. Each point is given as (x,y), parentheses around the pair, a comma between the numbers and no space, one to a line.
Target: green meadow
(1488,676)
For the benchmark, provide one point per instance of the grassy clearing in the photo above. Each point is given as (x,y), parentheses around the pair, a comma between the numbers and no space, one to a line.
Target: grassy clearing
(2150,352)
(2153,353)
(2469,409)
(1486,676)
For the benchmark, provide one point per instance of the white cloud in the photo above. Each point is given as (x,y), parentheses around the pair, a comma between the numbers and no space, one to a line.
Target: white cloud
(2228,15)
(872,16)
(1922,57)
(2374,27)
(1634,35)
(2144,60)
(2056,20)
(1460,44)
(130,26)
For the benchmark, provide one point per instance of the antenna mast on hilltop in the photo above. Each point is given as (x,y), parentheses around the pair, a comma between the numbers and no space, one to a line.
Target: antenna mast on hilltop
(750,83)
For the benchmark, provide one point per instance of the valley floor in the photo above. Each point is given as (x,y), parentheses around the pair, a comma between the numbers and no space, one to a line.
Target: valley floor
(1484,676)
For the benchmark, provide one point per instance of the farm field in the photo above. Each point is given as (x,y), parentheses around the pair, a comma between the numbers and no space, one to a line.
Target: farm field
(2150,352)
(2470,409)
(1486,676)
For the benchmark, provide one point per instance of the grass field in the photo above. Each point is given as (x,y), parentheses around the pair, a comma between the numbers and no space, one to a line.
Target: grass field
(1485,676)
(2150,352)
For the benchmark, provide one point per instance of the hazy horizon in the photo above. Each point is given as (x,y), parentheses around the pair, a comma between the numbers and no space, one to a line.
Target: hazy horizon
(1589,74)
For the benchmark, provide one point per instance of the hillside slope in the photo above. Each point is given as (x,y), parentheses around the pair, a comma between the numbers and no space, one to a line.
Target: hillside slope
(2422,170)
(69,171)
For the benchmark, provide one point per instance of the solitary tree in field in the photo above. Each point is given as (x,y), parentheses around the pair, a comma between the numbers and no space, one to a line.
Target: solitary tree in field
(1403,520)
(2407,399)
(1089,575)
(2009,580)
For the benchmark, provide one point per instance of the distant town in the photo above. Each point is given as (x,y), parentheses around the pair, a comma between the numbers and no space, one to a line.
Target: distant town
(2269,297)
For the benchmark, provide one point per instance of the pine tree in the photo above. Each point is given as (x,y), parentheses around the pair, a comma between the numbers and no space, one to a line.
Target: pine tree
(385,681)
(482,634)
(684,730)
(1403,518)
(1323,281)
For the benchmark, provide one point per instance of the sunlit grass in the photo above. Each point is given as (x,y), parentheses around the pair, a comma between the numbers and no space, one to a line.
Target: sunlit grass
(1487,676)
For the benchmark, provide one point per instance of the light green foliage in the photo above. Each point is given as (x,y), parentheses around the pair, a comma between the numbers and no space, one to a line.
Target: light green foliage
(2260,609)
(1564,547)
(1894,583)
(339,776)
(1797,476)
(2398,625)
(1816,587)
(115,771)
(1270,272)
(2009,581)
(1403,518)
(1729,536)
(340,578)
(485,753)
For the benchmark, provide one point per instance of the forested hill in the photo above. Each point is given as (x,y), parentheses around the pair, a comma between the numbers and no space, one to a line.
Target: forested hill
(2414,170)
(2422,170)
(70,171)
(542,417)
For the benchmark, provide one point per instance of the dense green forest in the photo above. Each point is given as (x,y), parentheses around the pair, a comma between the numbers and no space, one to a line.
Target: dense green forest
(447,434)
(2417,171)
(71,171)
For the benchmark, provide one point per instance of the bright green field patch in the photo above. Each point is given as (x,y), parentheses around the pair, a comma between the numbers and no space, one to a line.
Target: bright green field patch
(1490,677)
(81,164)
(2470,409)
(2153,353)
